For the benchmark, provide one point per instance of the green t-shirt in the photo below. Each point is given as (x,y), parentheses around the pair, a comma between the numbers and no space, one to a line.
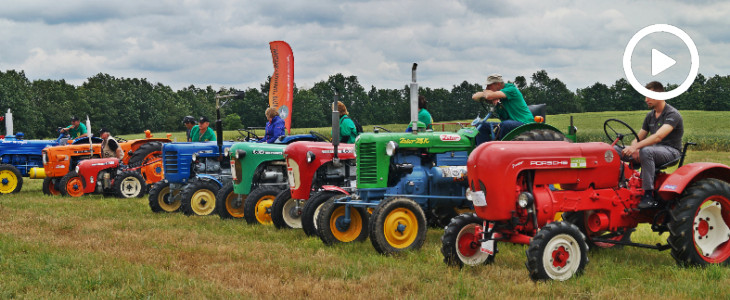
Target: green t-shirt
(208,135)
(514,107)
(76,132)
(348,132)
(425,117)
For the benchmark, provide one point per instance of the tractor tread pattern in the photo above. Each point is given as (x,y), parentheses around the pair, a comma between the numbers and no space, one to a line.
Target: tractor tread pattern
(539,242)
(451,233)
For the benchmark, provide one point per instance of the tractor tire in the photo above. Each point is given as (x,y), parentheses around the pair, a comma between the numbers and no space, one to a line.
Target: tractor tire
(11,181)
(129,184)
(541,135)
(159,198)
(578,219)
(286,213)
(50,186)
(72,185)
(144,154)
(698,230)
(228,204)
(330,232)
(198,198)
(398,224)
(557,252)
(312,208)
(257,207)
(457,244)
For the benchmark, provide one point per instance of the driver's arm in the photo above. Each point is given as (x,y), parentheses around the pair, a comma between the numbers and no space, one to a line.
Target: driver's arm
(489,95)
(641,135)
(651,140)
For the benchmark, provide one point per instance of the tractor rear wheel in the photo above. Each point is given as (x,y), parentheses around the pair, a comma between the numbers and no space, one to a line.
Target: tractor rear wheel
(11,181)
(459,244)
(541,135)
(149,157)
(198,198)
(312,208)
(698,232)
(162,199)
(72,185)
(286,213)
(129,184)
(228,204)
(398,224)
(332,227)
(50,186)
(557,252)
(579,220)
(257,207)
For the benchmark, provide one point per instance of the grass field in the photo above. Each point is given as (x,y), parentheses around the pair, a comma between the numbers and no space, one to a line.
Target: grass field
(96,247)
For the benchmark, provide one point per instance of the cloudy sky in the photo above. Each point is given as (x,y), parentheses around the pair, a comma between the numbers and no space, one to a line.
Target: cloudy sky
(225,42)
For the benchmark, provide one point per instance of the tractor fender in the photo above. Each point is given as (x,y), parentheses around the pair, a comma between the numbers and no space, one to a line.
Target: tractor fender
(527,127)
(211,178)
(678,181)
(333,188)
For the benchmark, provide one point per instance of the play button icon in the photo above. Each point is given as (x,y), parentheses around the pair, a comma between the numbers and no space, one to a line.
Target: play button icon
(660,62)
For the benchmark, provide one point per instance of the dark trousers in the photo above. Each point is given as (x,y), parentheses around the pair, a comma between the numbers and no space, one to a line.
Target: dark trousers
(650,157)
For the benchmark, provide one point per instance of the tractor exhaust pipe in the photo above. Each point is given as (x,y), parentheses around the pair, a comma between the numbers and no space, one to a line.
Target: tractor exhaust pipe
(8,123)
(335,128)
(414,99)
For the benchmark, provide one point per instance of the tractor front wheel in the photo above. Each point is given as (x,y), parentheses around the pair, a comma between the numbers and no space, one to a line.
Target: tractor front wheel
(11,181)
(312,208)
(257,208)
(460,242)
(198,198)
(228,204)
(557,252)
(72,185)
(398,224)
(50,186)
(333,226)
(162,199)
(129,184)
(698,232)
(286,213)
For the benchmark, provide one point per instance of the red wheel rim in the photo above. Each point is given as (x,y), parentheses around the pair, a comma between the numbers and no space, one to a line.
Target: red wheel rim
(75,187)
(560,257)
(466,245)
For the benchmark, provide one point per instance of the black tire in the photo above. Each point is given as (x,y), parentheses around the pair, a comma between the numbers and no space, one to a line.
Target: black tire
(257,207)
(228,204)
(129,184)
(50,186)
(398,224)
(578,219)
(329,215)
(454,246)
(286,213)
(312,208)
(557,243)
(159,198)
(541,135)
(138,157)
(698,231)
(11,181)
(199,198)
(70,180)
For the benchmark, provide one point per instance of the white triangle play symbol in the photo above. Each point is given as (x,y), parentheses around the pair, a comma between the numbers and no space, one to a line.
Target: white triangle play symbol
(660,62)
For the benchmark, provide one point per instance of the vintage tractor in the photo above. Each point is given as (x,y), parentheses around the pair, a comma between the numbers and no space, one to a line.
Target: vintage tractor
(104,175)
(409,180)
(598,196)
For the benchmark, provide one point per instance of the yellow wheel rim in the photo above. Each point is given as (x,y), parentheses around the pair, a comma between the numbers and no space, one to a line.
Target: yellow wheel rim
(262,206)
(401,228)
(353,231)
(203,202)
(75,187)
(8,182)
(234,208)
(164,195)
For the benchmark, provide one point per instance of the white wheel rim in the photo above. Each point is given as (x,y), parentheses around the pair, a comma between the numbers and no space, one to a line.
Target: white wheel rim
(316,215)
(561,268)
(294,221)
(710,228)
(479,257)
(131,187)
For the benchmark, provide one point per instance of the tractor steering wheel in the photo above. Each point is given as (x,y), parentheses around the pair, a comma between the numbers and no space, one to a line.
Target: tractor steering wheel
(618,134)
(380,127)
(247,136)
(320,136)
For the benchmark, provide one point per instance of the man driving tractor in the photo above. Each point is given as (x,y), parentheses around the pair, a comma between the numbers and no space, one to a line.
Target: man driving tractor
(510,105)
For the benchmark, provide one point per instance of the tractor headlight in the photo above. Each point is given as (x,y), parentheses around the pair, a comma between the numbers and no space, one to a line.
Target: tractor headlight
(195,157)
(240,154)
(468,195)
(227,152)
(76,169)
(310,157)
(390,148)
(525,199)
(44,157)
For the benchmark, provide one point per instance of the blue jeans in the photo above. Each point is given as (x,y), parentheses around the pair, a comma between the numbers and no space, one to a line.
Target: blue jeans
(485,135)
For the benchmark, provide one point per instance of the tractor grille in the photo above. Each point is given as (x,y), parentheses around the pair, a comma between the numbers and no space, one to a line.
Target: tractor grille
(170,162)
(367,166)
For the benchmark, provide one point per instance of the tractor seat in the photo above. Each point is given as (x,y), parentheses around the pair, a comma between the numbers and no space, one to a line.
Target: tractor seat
(538,110)
(668,164)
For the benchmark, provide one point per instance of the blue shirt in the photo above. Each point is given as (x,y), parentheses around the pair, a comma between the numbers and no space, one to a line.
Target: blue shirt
(274,129)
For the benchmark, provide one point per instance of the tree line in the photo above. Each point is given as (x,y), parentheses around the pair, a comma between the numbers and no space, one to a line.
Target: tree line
(132,105)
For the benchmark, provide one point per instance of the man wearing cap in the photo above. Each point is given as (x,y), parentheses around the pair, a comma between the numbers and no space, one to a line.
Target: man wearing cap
(201,132)
(189,123)
(76,129)
(510,104)
(109,146)
(666,127)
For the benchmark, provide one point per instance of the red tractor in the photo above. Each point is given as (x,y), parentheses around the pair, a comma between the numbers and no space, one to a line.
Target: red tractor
(598,197)
(103,175)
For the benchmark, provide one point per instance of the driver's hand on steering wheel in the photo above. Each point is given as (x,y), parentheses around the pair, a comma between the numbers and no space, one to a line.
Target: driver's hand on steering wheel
(631,151)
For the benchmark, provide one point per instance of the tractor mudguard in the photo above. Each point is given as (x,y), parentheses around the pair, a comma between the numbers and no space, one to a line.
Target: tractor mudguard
(210,177)
(527,127)
(682,177)
(333,188)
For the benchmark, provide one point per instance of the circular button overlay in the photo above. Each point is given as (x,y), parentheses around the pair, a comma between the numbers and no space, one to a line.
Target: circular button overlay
(695,60)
